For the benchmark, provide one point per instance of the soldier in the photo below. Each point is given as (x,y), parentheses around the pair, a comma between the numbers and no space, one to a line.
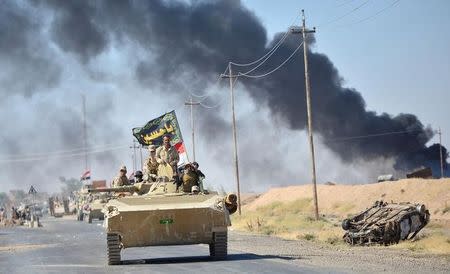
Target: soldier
(167,154)
(151,164)
(138,177)
(121,179)
(190,178)
(198,171)
(2,214)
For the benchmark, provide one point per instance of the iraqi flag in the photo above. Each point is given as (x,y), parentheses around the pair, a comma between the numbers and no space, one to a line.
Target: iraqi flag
(181,149)
(86,175)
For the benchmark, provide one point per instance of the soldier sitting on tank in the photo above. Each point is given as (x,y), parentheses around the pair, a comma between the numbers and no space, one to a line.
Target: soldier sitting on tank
(198,171)
(150,167)
(138,177)
(121,179)
(190,178)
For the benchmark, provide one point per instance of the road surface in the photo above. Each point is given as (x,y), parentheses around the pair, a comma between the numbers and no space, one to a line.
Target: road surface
(65,245)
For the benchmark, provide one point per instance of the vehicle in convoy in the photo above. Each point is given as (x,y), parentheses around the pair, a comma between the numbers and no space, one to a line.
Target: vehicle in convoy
(386,223)
(88,206)
(93,209)
(160,213)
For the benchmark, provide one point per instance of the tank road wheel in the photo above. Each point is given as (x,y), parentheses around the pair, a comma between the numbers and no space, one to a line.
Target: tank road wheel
(218,249)
(113,248)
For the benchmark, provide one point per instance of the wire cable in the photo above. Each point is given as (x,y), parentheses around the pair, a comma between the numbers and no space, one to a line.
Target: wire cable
(372,135)
(268,54)
(215,84)
(79,149)
(344,3)
(50,156)
(275,69)
(373,15)
(220,102)
(344,15)
(267,58)
(271,50)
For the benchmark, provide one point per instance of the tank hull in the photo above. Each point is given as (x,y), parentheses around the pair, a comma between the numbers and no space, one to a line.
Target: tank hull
(160,221)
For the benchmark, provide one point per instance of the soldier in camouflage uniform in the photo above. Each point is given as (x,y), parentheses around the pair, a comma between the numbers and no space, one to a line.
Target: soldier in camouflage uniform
(167,154)
(150,167)
(121,179)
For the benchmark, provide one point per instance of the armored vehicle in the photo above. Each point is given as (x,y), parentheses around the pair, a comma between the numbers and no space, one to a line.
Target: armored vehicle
(93,209)
(162,214)
(386,223)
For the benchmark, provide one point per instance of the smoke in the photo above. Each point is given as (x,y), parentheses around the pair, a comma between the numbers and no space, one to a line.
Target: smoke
(26,66)
(137,59)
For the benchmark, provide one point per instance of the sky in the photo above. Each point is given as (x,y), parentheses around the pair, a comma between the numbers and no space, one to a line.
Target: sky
(136,60)
(399,59)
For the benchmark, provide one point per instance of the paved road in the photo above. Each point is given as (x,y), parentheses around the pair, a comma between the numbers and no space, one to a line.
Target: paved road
(68,246)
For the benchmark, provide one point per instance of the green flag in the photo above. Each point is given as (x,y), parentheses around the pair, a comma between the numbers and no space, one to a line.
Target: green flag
(154,131)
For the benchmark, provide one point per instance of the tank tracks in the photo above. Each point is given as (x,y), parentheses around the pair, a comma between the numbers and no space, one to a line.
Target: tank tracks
(218,249)
(113,249)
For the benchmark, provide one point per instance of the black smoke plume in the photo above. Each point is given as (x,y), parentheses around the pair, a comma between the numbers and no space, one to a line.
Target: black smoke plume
(194,41)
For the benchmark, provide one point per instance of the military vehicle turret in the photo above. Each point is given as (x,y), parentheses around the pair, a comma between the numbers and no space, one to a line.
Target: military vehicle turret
(386,223)
(165,215)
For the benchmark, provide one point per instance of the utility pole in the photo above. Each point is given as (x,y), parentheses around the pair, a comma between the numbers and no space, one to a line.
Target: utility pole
(140,150)
(86,165)
(233,117)
(440,152)
(305,31)
(134,155)
(192,104)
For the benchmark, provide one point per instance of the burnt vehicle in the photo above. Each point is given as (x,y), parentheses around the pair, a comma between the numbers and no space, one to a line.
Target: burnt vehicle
(386,223)
(161,213)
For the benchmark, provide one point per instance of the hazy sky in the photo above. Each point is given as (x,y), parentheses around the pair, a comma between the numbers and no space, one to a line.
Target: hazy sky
(126,59)
(399,60)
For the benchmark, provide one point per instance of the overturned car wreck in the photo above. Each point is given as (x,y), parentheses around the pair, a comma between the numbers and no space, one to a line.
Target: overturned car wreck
(386,223)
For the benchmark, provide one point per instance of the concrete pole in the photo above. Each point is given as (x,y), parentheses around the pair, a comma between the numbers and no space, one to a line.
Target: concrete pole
(308,107)
(191,103)
(236,161)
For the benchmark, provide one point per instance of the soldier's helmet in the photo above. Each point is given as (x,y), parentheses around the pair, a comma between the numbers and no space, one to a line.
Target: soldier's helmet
(138,174)
(152,148)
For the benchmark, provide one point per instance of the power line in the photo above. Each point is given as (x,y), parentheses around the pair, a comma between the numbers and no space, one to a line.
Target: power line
(264,61)
(50,156)
(344,15)
(207,94)
(372,135)
(80,149)
(345,3)
(265,56)
(275,69)
(221,101)
(373,15)
(274,48)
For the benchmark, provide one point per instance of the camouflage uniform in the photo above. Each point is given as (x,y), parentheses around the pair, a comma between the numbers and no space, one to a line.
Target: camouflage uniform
(120,180)
(151,167)
(169,156)
(190,179)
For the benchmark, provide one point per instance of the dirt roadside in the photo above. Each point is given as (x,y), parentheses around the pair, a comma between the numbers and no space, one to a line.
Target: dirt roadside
(339,258)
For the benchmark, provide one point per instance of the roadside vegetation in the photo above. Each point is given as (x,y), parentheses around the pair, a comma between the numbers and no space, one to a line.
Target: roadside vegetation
(294,220)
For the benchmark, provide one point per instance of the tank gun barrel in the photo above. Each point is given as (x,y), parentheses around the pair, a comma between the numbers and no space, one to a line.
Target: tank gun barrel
(130,189)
